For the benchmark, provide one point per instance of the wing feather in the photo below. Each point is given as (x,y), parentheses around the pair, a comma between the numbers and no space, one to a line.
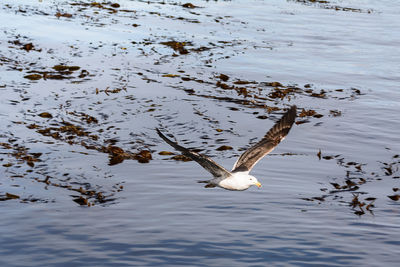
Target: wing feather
(271,139)
(207,163)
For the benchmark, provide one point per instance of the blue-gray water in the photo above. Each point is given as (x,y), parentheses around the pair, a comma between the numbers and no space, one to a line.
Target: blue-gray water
(155,213)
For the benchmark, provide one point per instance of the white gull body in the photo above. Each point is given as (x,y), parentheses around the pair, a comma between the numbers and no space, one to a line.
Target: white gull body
(238,181)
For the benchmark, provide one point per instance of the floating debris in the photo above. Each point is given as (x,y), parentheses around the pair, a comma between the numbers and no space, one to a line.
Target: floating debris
(115,5)
(188,5)
(262,117)
(394,197)
(223,77)
(46,115)
(224,147)
(21,154)
(335,113)
(65,15)
(33,77)
(171,75)
(64,68)
(181,158)
(82,201)
(309,113)
(25,46)
(177,46)
(166,153)
(143,156)
(8,196)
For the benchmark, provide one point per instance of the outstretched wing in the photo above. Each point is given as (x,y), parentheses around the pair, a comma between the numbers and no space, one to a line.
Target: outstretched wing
(273,137)
(207,163)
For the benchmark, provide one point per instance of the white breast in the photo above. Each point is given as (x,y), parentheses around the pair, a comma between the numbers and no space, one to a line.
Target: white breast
(238,181)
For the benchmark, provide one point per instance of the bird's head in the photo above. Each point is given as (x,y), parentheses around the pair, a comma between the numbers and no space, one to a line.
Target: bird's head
(253,181)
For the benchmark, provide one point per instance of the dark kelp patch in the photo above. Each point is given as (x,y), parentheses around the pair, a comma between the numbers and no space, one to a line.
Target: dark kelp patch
(177,46)
(65,15)
(224,147)
(189,5)
(181,158)
(394,197)
(8,196)
(166,153)
(57,72)
(25,46)
(21,154)
(71,133)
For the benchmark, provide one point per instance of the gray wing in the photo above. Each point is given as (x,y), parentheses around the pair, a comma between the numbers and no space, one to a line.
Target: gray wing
(207,163)
(272,138)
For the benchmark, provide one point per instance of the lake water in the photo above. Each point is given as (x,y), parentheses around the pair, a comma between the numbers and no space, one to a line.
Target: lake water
(83,86)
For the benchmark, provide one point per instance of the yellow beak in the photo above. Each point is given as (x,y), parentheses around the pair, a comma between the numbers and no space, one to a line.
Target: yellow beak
(258,184)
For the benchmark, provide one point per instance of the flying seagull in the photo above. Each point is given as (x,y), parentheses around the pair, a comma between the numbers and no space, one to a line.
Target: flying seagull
(239,178)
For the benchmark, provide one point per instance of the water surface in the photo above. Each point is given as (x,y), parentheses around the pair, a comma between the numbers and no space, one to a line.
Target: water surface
(70,196)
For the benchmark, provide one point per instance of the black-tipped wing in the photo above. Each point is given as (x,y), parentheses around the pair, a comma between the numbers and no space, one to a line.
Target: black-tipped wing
(207,163)
(273,137)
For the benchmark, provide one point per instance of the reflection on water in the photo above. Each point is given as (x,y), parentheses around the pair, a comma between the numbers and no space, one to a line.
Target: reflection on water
(86,180)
